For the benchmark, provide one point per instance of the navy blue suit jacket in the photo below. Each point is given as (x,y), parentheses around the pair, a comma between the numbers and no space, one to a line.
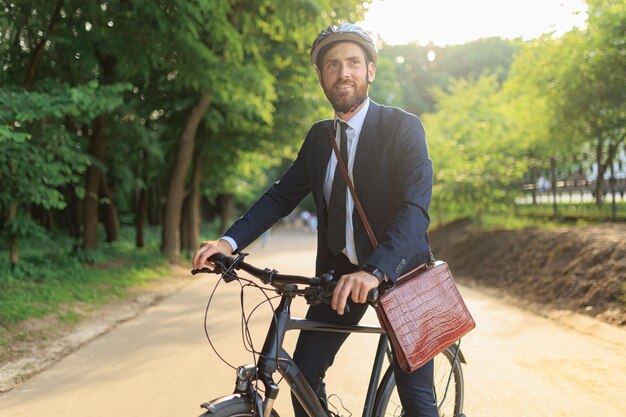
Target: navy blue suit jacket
(393,180)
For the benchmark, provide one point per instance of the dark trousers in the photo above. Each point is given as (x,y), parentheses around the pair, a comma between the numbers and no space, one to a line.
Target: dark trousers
(315,353)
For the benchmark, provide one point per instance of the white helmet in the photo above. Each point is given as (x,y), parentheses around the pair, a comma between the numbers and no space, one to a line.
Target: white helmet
(345,32)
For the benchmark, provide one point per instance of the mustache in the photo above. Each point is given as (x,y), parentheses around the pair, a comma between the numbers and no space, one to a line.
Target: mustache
(342,83)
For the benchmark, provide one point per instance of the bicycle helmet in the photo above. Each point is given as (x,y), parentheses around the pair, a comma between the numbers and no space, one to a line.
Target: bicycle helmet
(345,32)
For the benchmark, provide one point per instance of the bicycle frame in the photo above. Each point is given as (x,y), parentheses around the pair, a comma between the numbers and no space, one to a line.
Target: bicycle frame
(273,358)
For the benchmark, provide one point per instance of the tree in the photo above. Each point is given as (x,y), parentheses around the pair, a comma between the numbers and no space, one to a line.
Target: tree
(474,158)
(423,69)
(257,40)
(37,155)
(573,90)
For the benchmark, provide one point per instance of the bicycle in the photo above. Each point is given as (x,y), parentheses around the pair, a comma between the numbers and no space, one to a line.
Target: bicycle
(381,399)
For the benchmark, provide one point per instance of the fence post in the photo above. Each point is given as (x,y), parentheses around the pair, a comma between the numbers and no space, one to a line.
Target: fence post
(612,185)
(553,180)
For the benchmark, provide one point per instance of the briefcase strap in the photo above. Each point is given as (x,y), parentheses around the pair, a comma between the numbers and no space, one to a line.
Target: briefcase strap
(357,202)
(355,198)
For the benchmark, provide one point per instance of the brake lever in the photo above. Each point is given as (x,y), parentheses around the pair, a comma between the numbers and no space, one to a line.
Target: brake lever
(228,274)
(204,270)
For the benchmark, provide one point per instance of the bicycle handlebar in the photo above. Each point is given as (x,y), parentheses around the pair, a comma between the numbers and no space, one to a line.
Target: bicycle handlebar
(227,265)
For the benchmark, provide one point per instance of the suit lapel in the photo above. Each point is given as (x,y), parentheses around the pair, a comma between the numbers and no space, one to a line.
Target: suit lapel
(323,151)
(367,143)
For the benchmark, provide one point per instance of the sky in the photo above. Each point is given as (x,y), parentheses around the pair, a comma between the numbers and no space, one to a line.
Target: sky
(450,22)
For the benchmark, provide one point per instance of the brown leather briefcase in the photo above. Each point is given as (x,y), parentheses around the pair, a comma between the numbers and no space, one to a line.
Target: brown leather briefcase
(423,314)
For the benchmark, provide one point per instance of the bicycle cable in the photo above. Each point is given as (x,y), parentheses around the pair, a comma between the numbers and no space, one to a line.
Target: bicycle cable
(453,363)
(245,318)
(328,404)
(206,330)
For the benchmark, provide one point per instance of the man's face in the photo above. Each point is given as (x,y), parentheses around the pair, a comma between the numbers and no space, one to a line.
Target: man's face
(343,75)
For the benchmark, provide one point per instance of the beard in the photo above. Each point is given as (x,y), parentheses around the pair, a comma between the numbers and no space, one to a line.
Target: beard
(344,102)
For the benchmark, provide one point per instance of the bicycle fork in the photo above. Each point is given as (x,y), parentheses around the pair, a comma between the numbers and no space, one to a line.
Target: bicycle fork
(272,359)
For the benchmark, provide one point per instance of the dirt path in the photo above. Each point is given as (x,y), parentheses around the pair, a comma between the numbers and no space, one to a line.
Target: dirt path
(159,363)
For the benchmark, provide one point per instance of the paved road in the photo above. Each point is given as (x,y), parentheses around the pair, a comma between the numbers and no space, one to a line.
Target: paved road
(159,363)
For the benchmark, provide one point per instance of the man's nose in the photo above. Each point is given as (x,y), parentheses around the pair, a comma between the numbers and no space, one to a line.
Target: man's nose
(345,71)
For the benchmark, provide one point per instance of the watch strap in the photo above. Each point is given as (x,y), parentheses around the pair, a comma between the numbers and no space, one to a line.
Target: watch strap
(374,271)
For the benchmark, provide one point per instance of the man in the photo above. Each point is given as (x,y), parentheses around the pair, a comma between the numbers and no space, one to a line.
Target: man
(386,155)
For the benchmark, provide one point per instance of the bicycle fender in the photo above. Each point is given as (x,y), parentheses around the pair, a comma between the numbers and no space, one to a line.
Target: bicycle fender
(217,404)
(461,358)
(459,354)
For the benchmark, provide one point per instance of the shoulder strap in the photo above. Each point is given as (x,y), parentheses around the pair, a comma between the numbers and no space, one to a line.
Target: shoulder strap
(357,203)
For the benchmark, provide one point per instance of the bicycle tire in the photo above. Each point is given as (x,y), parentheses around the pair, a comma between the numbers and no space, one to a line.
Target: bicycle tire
(236,407)
(450,403)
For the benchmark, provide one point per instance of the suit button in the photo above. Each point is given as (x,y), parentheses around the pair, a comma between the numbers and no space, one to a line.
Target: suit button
(400,266)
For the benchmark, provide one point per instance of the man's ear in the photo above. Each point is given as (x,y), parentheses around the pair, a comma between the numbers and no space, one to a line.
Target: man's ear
(371,71)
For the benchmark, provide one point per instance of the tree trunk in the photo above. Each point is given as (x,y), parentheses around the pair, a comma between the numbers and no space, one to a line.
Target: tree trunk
(176,191)
(190,230)
(109,211)
(155,209)
(97,149)
(92,186)
(30,71)
(185,224)
(141,205)
(14,254)
(226,204)
(73,213)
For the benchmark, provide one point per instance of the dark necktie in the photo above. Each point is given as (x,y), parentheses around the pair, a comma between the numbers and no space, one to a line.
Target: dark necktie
(336,229)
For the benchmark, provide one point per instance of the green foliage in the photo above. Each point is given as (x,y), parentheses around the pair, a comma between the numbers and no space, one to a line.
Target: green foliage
(569,92)
(40,155)
(469,140)
(53,100)
(421,70)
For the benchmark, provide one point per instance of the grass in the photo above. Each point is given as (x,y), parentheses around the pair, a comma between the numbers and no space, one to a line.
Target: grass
(509,220)
(587,210)
(51,279)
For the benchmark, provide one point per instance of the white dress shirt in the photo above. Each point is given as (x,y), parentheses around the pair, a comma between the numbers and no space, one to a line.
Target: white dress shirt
(353,132)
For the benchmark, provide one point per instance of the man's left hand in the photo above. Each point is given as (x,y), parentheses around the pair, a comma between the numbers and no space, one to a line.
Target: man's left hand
(356,286)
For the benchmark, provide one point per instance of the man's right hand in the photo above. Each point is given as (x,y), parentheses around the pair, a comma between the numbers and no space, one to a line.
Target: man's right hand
(208,249)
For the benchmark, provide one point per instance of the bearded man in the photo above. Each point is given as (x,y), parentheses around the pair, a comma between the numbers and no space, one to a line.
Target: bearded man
(384,150)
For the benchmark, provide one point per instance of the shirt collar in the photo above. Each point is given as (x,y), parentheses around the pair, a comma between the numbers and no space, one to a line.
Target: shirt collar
(356,121)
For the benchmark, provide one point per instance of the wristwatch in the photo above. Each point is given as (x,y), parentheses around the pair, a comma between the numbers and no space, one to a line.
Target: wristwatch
(374,271)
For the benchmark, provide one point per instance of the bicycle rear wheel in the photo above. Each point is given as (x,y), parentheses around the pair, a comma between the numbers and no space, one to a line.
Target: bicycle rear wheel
(448,383)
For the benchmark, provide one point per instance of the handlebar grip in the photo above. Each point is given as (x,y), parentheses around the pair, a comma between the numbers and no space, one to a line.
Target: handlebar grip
(221,261)
(219,257)
(372,295)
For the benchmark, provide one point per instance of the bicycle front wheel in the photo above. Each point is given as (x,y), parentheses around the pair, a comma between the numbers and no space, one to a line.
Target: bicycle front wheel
(448,384)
